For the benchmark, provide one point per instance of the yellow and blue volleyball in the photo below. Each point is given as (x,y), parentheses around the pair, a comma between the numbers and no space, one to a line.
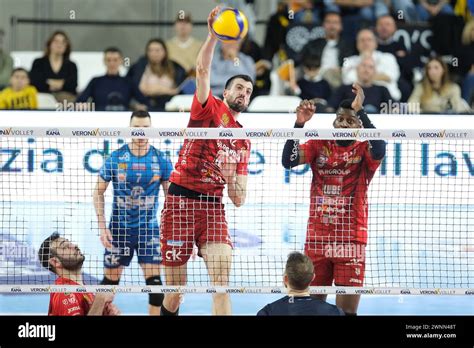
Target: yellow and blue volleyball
(230,25)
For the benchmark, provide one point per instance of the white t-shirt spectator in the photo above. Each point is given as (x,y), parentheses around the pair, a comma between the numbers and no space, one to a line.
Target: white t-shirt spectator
(385,63)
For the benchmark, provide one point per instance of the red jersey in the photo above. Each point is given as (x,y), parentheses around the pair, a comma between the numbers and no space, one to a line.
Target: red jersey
(69,304)
(199,163)
(341,178)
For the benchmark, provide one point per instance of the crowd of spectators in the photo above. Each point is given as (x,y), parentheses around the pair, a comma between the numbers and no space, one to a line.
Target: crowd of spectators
(331,44)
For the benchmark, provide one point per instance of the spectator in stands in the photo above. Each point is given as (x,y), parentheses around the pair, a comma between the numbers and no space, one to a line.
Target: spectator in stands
(375,96)
(299,272)
(262,66)
(305,25)
(229,61)
(356,14)
(436,93)
(311,85)
(387,70)
(309,12)
(65,259)
(385,30)
(112,92)
(331,49)
(465,9)
(6,64)
(467,62)
(20,95)
(183,48)
(157,76)
(431,8)
(405,10)
(277,28)
(54,72)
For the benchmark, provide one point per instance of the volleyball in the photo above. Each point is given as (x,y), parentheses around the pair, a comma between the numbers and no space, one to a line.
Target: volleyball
(230,25)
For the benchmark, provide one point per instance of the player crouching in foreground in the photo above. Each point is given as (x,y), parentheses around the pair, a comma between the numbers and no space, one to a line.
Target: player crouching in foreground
(338,216)
(65,259)
(299,273)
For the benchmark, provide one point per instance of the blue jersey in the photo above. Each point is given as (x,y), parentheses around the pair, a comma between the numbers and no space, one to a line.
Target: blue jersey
(305,305)
(136,182)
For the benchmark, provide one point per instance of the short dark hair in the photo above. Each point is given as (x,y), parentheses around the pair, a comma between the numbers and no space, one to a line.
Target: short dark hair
(45,252)
(140,114)
(346,104)
(311,62)
(385,15)
(113,50)
(20,69)
(332,12)
(247,78)
(299,270)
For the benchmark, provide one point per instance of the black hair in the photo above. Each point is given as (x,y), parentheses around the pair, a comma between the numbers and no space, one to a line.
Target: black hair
(242,76)
(113,49)
(386,15)
(332,12)
(45,253)
(140,114)
(20,69)
(346,104)
(311,61)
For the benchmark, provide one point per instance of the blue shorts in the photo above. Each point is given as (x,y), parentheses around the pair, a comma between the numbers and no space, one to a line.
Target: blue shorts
(125,241)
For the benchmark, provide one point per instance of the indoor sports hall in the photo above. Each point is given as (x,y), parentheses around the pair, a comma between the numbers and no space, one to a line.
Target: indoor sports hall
(143,147)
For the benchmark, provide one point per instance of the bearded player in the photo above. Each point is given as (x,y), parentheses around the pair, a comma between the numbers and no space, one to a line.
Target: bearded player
(193,213)
(336,235)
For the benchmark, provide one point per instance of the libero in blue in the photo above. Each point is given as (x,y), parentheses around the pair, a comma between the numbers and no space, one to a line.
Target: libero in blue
(136,186)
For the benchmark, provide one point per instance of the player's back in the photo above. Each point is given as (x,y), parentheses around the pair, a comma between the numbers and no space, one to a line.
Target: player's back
(300,305)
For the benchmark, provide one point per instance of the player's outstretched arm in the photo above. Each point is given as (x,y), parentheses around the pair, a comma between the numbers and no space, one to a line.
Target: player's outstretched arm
(292,154)
(377,147)
(204,60)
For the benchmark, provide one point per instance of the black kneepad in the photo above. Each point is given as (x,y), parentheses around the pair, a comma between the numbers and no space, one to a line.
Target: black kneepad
(155,299)
(107,281)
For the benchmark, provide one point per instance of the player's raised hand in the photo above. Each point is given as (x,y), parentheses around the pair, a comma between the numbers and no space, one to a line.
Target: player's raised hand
(358,102)
(305,111)
(211,18)
(106,238)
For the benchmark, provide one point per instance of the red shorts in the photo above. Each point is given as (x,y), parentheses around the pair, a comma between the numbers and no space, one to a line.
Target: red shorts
(343,264)
(185,222)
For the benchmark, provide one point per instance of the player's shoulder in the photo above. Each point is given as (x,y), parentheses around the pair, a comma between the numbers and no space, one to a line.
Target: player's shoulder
(326,308)
(160,155)
(122,153)
(277,306)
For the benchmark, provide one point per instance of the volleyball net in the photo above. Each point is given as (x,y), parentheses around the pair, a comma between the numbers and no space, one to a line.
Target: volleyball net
(420,209)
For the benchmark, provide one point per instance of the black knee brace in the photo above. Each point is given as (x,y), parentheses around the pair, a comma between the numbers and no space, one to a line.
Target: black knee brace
(155,299)
(107,281)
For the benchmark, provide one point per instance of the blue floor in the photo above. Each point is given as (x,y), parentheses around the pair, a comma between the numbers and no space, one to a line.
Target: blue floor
(196,304)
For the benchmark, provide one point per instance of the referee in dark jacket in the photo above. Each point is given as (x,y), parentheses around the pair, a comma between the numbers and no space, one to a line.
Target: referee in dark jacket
(299,272)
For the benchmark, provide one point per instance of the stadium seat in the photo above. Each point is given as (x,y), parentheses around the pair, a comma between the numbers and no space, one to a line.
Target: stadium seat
(181,102)
(46,101)
(270,103)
